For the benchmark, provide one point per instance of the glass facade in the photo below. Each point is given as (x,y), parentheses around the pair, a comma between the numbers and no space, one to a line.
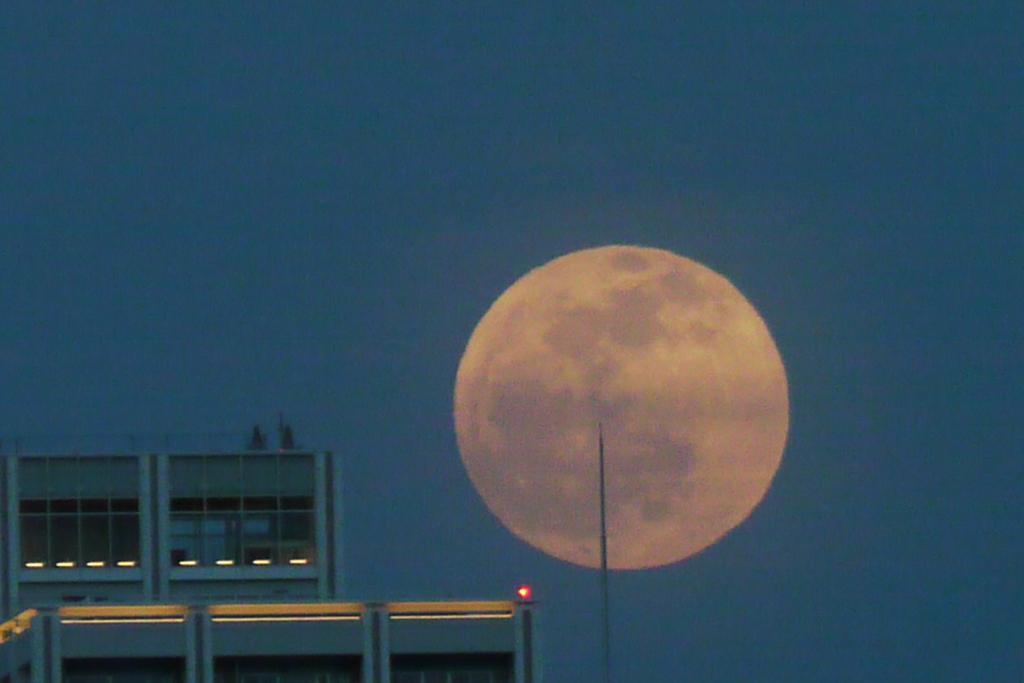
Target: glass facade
(451,668)
(243,530)
(79,511)
(79,532)
(287,670)
(247,509)
(141,670)
(448,676)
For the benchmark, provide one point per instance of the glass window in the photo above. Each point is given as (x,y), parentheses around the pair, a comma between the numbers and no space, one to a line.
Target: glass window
(95,505)
(64,540)
(79,532)
(297,503)
(260,678)
(222,504)
(124,505)
(256,526)
(64,505)
(297,526)
(93,678)
(217,541)
(96,539)
(125,537)
(259,503)
(33,539)
(33,506)
(257,530)
(186,505)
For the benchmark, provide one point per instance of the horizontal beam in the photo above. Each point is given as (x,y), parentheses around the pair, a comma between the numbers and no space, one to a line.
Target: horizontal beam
(122,611)
(453,607)
(287,609)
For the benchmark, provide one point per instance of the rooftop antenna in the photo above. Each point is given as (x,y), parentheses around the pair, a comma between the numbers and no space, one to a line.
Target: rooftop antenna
(605,640)
(285,434)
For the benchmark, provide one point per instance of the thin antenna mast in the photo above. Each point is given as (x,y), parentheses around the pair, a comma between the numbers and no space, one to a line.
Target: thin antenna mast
(604,558)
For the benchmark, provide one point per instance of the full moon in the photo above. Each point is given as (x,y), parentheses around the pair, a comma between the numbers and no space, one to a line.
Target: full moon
(673,362)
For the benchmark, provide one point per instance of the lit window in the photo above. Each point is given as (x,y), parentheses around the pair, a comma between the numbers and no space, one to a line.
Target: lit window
(246,531)
(69,532)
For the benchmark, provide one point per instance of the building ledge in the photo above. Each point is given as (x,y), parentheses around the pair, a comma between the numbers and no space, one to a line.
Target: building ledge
(81,575)
(243,573)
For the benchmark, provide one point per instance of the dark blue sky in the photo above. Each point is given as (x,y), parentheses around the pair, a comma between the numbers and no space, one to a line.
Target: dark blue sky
(209,213)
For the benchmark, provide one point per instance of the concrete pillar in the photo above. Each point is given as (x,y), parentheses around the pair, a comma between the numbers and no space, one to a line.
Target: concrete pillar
(150,568)
(159,559)
(45,648)
(321,506)
(9,551)
(527,659)
(198,646)
(337,524)
(376,649)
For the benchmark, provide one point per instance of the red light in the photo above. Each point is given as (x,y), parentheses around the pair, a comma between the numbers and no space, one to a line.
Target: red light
(524,592)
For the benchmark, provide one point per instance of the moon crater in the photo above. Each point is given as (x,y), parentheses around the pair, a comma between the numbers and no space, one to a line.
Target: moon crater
(675,364)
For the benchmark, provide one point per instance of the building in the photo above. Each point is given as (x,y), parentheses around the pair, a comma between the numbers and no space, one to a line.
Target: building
(216,568)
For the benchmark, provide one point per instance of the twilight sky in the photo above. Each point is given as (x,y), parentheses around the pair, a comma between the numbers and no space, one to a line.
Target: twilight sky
(210,213)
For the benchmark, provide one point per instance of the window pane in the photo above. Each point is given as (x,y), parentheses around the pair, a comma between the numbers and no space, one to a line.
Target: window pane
(261,554)
(260,678)
(187,477)
(296,475)
(260,472)
(296,554)
(259,537)
(125,534)
(64,505)
(297,526)
(180,551)
(33,506)
(64,481)
(33,538)
(185,525)
(124,505)
(186,504)
(259,503)
(33,478)
(224,475)
(222,504)
(96,538)
(221,538)
(95,505)
(125,477)
(257,526)
(64,530)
